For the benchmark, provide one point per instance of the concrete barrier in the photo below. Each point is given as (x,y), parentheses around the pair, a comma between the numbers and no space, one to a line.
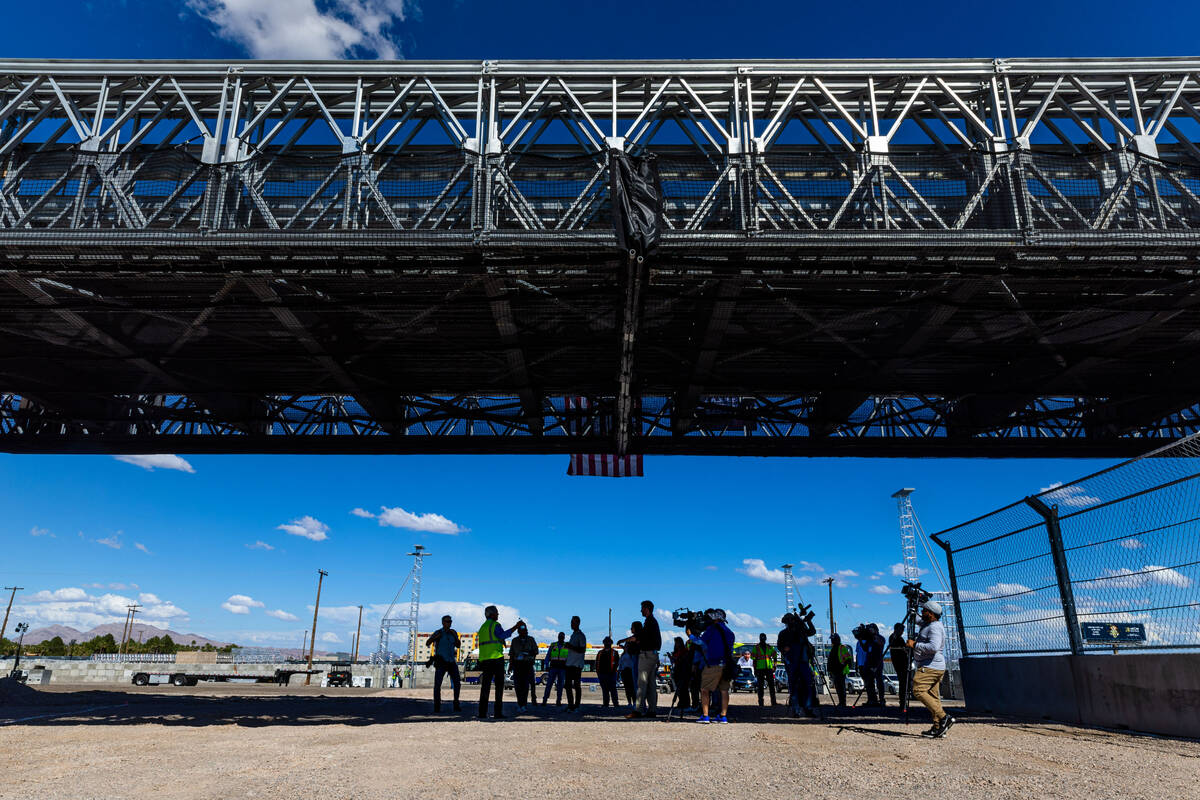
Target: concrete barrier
(1150,692)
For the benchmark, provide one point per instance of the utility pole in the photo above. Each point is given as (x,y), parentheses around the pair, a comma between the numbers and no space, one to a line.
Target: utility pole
(358,634)
(125,629)
(304,643)
(313,639)
(128,637)
(610,623)
(13,590)
(829,582)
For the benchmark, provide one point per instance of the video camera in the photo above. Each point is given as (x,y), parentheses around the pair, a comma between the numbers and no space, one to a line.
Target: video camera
(686,618)
(913,592)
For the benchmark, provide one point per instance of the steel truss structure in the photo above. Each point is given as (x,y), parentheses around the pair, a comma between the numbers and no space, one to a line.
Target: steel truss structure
(871,257)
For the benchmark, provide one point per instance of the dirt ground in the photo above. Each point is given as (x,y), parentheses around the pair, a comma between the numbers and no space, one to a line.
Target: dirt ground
(252,741)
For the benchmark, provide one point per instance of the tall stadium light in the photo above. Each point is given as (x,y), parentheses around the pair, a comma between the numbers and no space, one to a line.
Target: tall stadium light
(789,589)
(414,609)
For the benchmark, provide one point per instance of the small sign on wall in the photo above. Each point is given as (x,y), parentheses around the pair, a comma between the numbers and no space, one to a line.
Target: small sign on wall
(1113,632)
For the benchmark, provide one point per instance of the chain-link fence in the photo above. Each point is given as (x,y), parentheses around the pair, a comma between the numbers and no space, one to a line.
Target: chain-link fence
(1120,547)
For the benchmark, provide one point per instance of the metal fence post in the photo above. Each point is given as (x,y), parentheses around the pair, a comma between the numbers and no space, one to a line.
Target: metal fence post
(1059,556)
(958,616)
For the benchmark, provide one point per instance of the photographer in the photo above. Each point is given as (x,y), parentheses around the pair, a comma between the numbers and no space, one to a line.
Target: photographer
(720,665)
(445,643)
(931,668)
(793,645)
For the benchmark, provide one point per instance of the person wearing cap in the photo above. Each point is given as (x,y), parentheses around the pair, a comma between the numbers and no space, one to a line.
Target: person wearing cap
(522,653)
(576,649)
(492,636)
(606,672)
(931,668)
(649,643)
(444,643)
(718,656)
(797,656)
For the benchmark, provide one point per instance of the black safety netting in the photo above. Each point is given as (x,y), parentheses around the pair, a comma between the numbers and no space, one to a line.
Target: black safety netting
(545,193)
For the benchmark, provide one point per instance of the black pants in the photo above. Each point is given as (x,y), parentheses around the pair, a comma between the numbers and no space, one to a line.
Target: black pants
(766,676)
(608,687)
(901,665)
(683,686)
(880,690)
(574,686)
(489,671)
(868,676)
(526,683)
(443,669)
(627,680)
(839,685)
(695,686)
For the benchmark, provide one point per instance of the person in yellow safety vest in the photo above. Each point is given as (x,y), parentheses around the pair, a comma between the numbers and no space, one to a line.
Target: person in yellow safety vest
(556,669)
(491,660)
(841,661)
(764,667)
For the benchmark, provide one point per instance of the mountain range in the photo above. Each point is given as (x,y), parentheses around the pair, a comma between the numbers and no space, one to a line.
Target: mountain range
(140,632)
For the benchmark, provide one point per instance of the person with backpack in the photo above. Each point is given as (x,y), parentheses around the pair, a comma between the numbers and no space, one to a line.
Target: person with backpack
(721,665)
(556,669)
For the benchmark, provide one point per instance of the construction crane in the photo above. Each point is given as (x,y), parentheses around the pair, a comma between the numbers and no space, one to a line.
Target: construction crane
(384,655)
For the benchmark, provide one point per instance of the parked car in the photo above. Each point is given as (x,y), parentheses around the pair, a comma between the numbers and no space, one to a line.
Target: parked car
(781,678)
(744,681)
(854,682)
(891,684)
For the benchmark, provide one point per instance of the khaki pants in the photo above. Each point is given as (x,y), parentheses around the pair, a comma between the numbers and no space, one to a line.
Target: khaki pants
(927,688)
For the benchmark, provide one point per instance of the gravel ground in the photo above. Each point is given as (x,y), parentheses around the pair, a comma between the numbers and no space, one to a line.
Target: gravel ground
(288,742)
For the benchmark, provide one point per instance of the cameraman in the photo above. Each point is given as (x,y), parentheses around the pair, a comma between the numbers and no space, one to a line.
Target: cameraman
(931,668)
(793,645)
(898,650)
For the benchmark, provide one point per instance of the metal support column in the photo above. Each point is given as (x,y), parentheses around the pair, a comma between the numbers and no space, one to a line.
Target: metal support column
(1059,556)
(958,619)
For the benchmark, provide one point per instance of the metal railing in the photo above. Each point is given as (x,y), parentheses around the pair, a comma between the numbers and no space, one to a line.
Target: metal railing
(117,658)
(1121,546)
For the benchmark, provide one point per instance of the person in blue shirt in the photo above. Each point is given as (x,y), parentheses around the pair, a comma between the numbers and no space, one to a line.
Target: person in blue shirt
(717,641)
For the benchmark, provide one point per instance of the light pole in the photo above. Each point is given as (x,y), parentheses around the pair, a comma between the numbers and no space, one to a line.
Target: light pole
(14,590)
(358,634)
(20,631)
(832,627)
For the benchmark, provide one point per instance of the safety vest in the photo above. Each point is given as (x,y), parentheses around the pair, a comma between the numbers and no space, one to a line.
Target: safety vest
(490,644)
(764,656)
(557,652)
(844,658)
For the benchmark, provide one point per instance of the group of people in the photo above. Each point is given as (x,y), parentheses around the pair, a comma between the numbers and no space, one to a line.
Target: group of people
(703,665)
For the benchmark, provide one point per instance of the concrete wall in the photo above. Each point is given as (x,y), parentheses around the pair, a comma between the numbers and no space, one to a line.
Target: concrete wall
(1151,692)
(70,671)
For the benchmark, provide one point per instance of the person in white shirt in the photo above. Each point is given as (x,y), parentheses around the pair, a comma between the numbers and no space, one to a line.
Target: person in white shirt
(931,668)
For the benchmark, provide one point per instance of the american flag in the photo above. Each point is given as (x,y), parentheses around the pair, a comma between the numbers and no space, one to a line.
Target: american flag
(597,464)
(605,466)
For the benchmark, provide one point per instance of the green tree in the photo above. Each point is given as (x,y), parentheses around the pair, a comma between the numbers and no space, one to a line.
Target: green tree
(167,644)
(54,647)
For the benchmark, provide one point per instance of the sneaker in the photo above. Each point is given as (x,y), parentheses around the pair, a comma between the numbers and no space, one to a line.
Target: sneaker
(723,720)
(634,715)
(703,720)
(932,732)
(947,721)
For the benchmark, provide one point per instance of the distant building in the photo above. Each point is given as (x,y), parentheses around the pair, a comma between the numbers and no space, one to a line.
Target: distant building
(467,640)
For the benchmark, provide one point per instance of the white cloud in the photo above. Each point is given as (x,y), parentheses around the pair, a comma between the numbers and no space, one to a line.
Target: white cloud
(279,613)
(153,461)
(142,547)
(1128,544)
(1073,495)
(260,545)
(76,608)
(1003,589)
(399,518)
(552,621)
(711,568)
(875,576)
(331,637)
(881,589)
(241,604)
(362,512)
(737,620)
(308,527)
(809,566)
(854,605)
(846,573)
(36,531)
(113,541)
(757,568)
(663,615)
(898,570)
(1125,578)
(283,29)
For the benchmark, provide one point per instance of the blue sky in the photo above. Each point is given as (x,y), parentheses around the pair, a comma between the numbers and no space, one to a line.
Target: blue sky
(199,541)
